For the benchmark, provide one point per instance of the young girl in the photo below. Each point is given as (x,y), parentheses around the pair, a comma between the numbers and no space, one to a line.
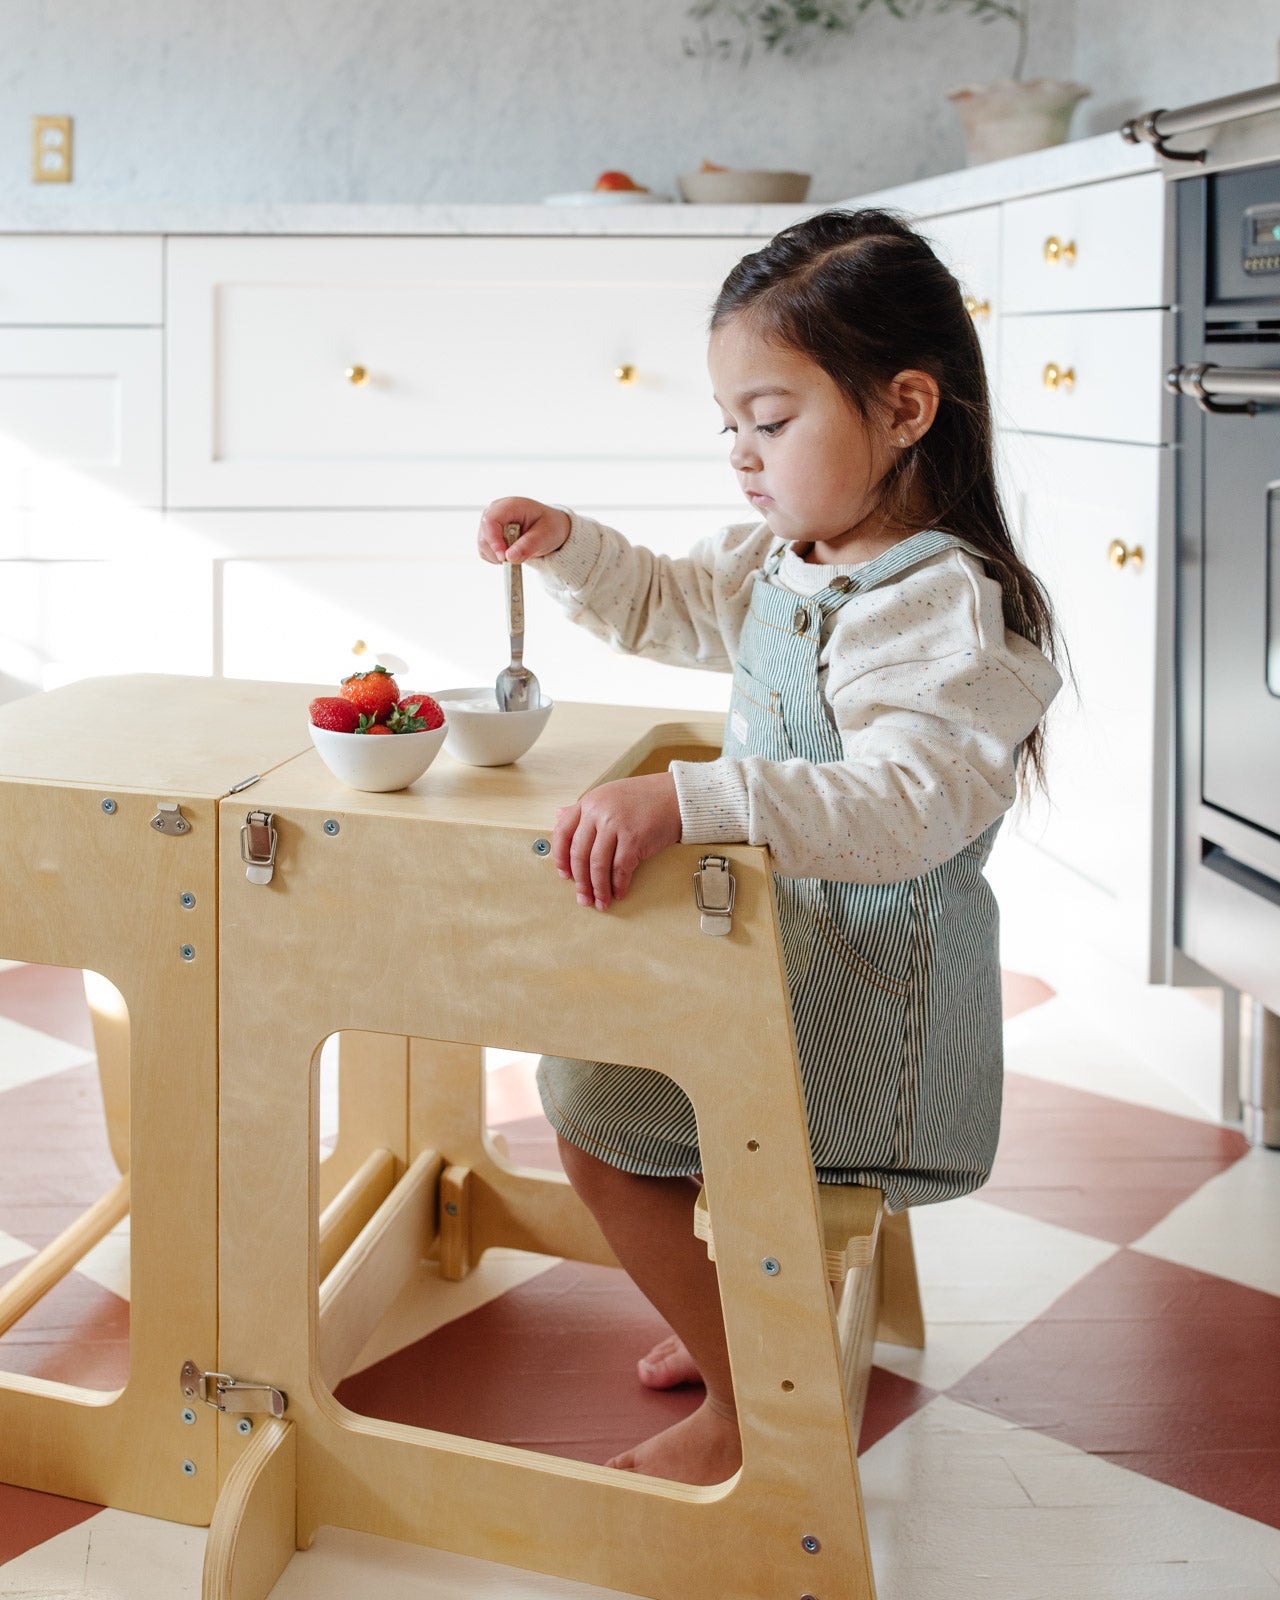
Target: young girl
(889,679)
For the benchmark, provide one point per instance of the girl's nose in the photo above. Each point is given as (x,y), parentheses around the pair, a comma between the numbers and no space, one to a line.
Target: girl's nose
(744,456)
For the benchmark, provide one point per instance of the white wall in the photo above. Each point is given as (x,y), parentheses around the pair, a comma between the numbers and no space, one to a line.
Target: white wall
(418,100)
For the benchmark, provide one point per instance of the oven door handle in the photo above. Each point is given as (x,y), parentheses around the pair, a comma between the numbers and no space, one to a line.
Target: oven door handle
(1156,126)
(1209,386)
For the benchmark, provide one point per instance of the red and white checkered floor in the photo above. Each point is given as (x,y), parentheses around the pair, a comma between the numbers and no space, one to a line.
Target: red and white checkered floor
(1096,1416)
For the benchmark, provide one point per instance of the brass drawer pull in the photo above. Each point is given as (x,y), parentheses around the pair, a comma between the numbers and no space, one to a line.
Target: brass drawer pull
(1056,252)
(626,373)
(977,308)
(357,376)
(1056,377)
(1121,556)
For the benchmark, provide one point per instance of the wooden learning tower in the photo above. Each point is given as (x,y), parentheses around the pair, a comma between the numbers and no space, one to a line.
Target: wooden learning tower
(420,926)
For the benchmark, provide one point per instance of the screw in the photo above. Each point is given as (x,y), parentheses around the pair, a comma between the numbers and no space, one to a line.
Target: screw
(811,1544)
(331,827)
(771,1266)
(188,1415)
(188,900)
(542,847)
(808,1597)
(188,952)
(109,806)
(189,1469)
(244,1425)
(451,1207)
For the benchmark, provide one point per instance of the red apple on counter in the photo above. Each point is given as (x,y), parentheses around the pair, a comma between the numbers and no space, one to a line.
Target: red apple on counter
(618,180)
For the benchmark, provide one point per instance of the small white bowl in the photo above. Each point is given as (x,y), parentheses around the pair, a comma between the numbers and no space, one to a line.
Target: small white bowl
(743,187)
(378,762)
(489,738)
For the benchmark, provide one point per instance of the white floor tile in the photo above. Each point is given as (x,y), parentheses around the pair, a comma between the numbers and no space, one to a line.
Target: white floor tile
(6,966)
(985,1272)
(1059,1043)
(108,1262)
(341,1565)
(142,1558)
(427,1302)
(54,1568)
(27,1054)
(1228,1226)
(1084,1529)
(12,1249)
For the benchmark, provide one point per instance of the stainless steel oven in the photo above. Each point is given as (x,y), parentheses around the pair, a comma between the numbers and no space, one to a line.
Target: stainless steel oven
(1227,900)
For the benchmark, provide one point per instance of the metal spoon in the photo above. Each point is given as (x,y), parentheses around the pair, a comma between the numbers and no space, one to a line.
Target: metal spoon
(517,688)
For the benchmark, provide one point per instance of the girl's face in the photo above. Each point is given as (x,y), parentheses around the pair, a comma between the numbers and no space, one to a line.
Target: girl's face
(805,457)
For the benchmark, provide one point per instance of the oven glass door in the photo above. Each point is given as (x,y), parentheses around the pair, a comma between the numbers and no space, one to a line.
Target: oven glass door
(1241,736)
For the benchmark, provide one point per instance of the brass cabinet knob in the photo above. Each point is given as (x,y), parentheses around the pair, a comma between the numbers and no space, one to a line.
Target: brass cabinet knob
(1056,377)
(358,376)
(1121,556)
(1055,251)
(625,373)
(977,308)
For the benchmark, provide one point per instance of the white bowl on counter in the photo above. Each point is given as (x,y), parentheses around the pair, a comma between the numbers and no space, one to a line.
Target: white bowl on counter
(378,763)
(488,737)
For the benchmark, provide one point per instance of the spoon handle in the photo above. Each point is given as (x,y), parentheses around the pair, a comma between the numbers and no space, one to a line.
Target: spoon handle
(515,596)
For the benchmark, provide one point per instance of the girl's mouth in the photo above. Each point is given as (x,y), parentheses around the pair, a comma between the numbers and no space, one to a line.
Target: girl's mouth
(759,499)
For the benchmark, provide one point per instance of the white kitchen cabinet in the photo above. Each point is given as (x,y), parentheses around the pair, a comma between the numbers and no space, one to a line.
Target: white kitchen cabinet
(1084,510)
(81,280)
(1094,247)
(968,242)
(80,422)
(1093,374)
(443,371)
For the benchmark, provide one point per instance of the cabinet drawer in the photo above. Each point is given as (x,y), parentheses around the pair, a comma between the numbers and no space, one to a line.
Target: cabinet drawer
(410,585)
(1095,247)
(402,372)
(78,279)
(969,243)
(80,418)
(1097,376)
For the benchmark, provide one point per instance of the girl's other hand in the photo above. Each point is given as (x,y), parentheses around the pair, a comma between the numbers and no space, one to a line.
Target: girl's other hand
(543,529)
(600,841)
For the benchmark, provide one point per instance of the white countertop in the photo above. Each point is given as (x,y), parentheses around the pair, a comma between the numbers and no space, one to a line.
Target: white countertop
(55,209)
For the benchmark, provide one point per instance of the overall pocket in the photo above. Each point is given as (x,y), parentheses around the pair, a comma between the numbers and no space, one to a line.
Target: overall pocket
(755,725)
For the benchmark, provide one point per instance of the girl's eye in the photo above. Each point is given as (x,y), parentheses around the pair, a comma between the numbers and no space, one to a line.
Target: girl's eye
(769,428)
(728,429)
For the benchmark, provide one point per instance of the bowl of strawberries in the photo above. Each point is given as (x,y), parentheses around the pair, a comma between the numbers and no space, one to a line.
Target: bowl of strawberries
(372,737)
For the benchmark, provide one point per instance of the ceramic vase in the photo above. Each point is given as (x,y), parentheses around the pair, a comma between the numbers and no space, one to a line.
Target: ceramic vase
(1010,117)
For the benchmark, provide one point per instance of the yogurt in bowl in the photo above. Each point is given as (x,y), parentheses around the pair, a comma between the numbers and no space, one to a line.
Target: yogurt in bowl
(478,733)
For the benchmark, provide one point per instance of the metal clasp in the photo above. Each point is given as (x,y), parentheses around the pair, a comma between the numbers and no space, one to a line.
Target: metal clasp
(169,818)
(258,846)
(225,1393)
(713,890)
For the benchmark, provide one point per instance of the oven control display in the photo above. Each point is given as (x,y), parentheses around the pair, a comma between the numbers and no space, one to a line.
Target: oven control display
(1262,239)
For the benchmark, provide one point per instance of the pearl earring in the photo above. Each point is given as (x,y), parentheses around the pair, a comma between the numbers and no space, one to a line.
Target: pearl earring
(902,439)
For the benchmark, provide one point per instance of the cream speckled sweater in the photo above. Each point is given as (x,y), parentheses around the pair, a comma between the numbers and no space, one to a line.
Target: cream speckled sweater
(929,691)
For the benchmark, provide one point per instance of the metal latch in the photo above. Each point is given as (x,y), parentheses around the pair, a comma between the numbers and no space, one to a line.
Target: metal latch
(258,846)
(169,818)
(224,1393)
(713,889)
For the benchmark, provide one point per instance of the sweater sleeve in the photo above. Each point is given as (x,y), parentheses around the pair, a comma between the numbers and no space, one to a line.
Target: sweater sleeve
(931,699)
(686,611)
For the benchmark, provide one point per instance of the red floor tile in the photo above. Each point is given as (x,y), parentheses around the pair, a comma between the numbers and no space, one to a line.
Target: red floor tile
(1101,1166)
(1161,1369)
(1019,992)
(50,999)
(548,1366)
(891,1399)
(28,1519)
(78,1333)
(54,1156)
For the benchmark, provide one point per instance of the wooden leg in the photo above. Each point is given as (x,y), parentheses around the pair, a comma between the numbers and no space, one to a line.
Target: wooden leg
(253,1533)
(57,1258)
(901,1313)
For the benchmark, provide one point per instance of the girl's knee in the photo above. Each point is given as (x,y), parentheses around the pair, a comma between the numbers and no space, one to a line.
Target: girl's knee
(587,1172)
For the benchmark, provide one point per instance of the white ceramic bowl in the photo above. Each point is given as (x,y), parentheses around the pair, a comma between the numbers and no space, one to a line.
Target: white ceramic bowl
(378,762)
(745,187)
(489,738)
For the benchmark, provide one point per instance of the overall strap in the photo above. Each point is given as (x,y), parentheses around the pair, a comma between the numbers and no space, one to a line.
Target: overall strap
(910,553)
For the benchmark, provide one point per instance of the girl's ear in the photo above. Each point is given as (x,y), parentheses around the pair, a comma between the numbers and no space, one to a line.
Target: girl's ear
(913,399)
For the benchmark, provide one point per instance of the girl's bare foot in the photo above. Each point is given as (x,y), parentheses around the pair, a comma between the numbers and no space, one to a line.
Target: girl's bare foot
(667,1365)
(703,1448)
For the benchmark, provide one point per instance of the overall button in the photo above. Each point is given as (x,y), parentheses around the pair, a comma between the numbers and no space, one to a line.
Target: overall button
(800,621)
(842,584)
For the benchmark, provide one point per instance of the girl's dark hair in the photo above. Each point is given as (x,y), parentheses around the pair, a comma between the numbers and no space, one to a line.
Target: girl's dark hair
(864,296)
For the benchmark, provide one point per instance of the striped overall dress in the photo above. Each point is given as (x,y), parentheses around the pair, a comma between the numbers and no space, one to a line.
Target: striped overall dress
(895,987)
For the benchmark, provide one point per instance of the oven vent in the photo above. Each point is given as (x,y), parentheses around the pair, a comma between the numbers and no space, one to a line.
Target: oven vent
(1216,859)
(1243,333)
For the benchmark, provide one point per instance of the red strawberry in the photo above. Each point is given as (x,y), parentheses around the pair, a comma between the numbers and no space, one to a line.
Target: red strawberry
(373,693)
(420,713)
(330,711)
(378,727)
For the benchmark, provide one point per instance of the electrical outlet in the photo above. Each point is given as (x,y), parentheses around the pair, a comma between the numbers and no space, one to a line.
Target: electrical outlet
(51,149)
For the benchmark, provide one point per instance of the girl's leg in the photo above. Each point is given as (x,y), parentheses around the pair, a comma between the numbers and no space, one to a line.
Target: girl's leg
(649,1224)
